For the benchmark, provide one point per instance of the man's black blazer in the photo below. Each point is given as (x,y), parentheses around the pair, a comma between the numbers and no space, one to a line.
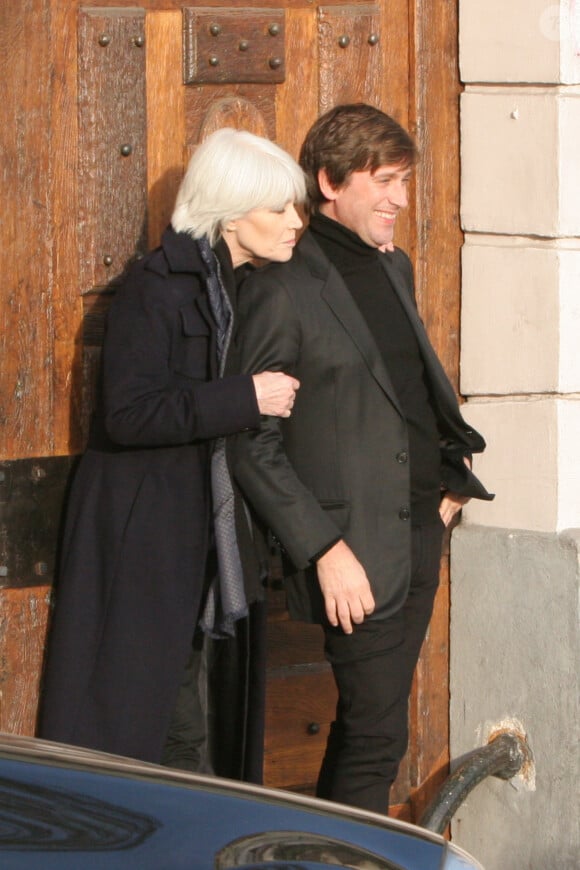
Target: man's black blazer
(336,467)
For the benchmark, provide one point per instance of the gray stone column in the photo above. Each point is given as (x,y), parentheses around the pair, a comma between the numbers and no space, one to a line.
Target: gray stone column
(515,579)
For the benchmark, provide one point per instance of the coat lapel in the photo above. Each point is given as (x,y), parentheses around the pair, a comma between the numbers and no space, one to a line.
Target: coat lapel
(435,370)
(336,295)
(442,392)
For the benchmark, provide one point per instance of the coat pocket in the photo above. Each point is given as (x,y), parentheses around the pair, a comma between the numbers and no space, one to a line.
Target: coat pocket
(192,352)
(338,509)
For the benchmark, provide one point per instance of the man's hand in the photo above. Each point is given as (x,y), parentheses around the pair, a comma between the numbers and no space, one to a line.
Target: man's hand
(345,586)
(275,393)
(451,504)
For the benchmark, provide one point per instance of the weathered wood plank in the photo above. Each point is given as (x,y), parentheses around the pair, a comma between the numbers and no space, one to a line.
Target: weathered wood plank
(154,5)
(435,89)
(298,715)
(293,643)
(66,299)
(435,241)
(396,49)
(26,325)
(23,621)
(112,146)
(350,66)
(297,97)
(165,117)
(208,107)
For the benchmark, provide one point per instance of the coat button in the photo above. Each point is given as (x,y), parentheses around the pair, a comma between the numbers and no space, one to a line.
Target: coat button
(404,513)
(402,457)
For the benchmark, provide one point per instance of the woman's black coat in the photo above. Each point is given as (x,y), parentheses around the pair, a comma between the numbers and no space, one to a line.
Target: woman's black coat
(139,517)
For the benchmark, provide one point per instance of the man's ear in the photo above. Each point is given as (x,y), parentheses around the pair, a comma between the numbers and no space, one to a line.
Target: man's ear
(326,188)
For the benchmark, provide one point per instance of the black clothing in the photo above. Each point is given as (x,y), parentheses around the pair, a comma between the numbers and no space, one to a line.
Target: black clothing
(360,266)
(369,736)
(339,467)
(139,519)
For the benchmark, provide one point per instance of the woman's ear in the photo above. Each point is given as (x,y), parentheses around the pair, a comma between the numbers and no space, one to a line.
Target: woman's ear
(327,189)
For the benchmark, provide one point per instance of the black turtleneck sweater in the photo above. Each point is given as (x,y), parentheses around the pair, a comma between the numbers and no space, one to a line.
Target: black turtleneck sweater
(378,302)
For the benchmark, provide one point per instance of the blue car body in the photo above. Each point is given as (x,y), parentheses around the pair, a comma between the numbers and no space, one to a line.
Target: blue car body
(63,808)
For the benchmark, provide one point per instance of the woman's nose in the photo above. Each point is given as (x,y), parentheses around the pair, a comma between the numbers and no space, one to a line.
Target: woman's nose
(296,221)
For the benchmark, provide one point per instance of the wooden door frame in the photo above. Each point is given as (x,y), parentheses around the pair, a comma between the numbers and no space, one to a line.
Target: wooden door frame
(434,119)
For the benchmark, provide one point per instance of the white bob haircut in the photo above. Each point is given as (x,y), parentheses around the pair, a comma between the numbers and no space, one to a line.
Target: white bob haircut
(231,173)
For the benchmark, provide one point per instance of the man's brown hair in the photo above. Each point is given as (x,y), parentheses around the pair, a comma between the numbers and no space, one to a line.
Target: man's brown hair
(352,138)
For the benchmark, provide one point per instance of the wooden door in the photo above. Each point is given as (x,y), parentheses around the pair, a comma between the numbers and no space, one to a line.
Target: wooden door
(103,103)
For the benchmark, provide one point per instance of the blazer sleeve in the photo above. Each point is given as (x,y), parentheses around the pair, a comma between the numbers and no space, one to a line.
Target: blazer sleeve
(148,403)
(269,339)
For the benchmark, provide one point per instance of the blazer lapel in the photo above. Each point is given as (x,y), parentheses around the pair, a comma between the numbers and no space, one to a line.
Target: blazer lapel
(336,295)
(437,376)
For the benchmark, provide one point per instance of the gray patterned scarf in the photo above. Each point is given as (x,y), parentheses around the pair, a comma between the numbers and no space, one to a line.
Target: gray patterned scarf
(226,600)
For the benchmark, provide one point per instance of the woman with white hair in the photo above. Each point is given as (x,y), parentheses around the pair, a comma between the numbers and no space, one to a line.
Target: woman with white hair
(156,543)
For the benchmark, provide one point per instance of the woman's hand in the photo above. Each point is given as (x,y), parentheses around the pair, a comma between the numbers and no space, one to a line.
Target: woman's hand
(275,393)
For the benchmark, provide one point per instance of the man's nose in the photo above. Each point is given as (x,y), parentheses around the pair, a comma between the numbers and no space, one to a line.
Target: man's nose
(399,195)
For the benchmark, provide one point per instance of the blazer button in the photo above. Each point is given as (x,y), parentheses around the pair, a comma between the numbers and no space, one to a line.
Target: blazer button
(404,513)
(402,457)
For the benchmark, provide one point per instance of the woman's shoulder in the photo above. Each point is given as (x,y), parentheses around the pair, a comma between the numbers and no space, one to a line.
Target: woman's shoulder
(152,281)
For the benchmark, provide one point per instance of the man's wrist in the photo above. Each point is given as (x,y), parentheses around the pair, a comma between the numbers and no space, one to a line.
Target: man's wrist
(321,553)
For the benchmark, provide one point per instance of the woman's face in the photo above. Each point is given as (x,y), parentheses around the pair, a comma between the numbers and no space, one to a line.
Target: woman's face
(263,234)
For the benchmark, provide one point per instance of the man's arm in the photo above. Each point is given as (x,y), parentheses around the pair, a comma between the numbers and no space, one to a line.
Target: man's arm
(270,338)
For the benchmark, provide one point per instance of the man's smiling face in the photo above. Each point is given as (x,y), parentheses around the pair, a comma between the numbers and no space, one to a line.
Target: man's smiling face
(369,202)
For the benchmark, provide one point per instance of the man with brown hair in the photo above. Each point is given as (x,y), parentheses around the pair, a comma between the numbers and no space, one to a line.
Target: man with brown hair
(358,484)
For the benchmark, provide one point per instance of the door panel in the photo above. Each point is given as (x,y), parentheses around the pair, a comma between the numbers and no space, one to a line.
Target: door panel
(350,67)
(94,162)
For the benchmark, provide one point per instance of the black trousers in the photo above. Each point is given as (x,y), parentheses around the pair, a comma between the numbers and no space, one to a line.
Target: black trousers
(373,669)
(186,746)
(217,724)
(186,743)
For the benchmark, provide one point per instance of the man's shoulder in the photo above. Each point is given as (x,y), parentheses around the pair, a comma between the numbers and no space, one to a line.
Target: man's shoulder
(306,262)
(400,258)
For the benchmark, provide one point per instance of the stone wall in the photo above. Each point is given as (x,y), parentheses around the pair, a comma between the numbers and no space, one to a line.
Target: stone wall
(515,633)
